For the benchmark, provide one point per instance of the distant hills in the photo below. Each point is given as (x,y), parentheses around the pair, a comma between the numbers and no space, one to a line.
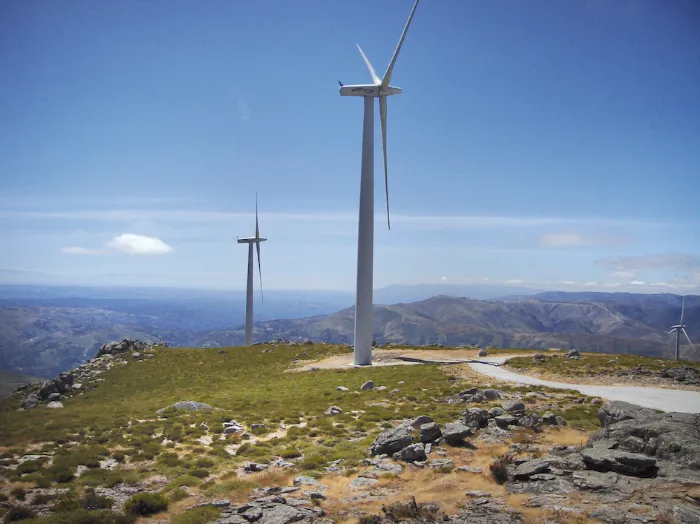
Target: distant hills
(615,323)
(46,330)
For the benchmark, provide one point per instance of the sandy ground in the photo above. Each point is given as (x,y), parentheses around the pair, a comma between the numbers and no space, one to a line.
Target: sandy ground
(388,357)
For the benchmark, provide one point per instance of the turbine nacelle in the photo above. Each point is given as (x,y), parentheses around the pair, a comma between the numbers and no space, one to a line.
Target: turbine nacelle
(251,240)
(369,90)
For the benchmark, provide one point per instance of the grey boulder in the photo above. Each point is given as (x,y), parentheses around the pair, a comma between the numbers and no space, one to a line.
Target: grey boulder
(390,441)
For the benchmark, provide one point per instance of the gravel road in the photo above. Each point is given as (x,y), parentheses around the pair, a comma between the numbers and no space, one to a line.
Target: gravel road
(655,398)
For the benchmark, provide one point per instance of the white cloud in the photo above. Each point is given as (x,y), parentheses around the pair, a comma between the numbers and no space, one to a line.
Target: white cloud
(571,239)
(139,245)
(562,239)
(444,279)
(126,243)
(78,250)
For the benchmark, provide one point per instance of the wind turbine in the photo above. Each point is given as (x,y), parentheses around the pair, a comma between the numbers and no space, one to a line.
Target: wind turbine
(678,328)
(380,88)
(256,240)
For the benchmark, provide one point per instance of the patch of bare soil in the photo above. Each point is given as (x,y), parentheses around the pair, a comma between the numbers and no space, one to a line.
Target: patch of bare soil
(605,380)
(391,357)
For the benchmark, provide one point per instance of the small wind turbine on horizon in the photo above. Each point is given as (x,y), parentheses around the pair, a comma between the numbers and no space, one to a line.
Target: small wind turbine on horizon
(678,328)
(380,88)
(256,240)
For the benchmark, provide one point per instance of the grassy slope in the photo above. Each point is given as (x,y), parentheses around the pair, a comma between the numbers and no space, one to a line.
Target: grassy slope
(250,385)
(245,384)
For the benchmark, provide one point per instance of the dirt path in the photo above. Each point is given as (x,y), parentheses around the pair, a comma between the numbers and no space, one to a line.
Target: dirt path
(655,398)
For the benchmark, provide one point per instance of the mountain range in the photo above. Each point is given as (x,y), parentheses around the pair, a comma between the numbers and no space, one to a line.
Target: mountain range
(44,331)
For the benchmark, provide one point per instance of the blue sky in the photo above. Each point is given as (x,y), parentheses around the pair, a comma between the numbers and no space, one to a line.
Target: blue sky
(545,143)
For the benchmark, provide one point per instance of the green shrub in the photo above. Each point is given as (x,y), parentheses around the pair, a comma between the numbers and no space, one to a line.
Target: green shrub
(204,463)
(203,515)
(185,480)
(200,473)
(19,513)
(290,453)
(43,498)
(146,504)
(178,494)
(92,500)
(30,466)
(18,493)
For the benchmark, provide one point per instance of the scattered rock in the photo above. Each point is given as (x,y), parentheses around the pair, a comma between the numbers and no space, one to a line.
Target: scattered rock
(367,385)
(186,405)
(494,412)
(430,432)
(342,388)
(475,415)
(334,410)
(513,406)
(413,453)
(30,401)
(455,433)
(573,353)
(532,421)
(504,421)
(483,352)
(362,482)
(54,405)
(390,441)
(417,422)
(492,394)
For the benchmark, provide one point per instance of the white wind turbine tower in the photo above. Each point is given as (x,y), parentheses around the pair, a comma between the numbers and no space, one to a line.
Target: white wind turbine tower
(380,88)
(678,328)
(256,240)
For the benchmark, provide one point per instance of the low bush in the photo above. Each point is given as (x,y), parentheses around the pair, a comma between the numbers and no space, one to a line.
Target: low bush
(92,500)
(499,468)
(200,473)
(19,513)
(146,504)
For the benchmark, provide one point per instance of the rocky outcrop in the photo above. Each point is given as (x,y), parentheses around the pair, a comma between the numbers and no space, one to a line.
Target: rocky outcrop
(638,451)
(612,412)
(84,377)
(123,346)
(271,509)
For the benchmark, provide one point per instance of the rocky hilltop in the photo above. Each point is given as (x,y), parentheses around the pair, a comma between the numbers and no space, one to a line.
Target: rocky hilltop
(265,435)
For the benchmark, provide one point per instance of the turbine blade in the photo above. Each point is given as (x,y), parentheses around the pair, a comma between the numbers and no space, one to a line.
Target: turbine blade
(671,331)
(257,227)
(682,311)
(257,244)
(390,69)
(262,297)
(382,117)
(375,78)
(688,338)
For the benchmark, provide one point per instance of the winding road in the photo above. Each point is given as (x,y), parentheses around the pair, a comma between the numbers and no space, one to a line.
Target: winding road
(655,398)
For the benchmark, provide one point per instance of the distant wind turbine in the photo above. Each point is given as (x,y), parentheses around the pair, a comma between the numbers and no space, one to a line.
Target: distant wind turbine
(678,328)
(380,88)
(256,240)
